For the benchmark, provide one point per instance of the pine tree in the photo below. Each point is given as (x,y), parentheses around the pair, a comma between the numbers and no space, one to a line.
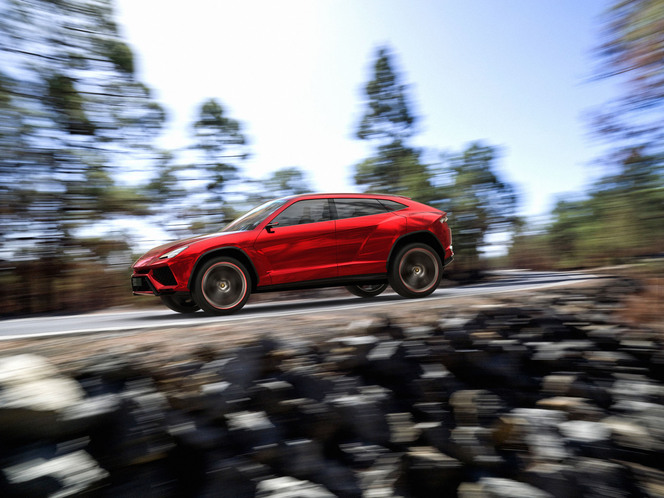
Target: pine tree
(388,124)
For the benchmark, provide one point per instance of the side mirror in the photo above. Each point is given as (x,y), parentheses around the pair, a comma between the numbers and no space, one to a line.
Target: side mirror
(270,226)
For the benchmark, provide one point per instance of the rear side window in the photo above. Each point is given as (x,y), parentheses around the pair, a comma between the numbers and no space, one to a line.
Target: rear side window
(302,212)
(392,205)
(352,208)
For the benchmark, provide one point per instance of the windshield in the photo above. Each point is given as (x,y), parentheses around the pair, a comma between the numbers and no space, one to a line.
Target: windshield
(253,218)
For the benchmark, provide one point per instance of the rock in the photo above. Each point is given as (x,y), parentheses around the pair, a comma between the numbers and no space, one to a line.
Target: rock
(361,456)
(548,398)
(107,373)
(555,478)
(90,415)
(575,408)
(362,417)
(383,326)
(71,474)
(270,395)
(250,431)
(534,432)
(649,481)
(301,458)
(215,399)
(288,487)
(139,434)
(312,420)
(628,433)
(403,431)
(435,384)
(231,477)
(310,383)
(495,487)
(436,434)
(637,388)
(30,382)
(473,446)
(600,478)
(34,398)
(428,472)
(590,439)
(338,479)
(558,384)
(475,407)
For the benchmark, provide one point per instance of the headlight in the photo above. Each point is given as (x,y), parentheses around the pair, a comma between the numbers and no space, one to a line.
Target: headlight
(443,219)
(173,253)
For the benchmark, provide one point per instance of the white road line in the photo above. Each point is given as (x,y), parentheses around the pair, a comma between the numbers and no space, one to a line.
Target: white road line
(247,315)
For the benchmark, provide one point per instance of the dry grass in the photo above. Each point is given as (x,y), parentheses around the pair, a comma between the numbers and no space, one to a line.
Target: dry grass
(646,307)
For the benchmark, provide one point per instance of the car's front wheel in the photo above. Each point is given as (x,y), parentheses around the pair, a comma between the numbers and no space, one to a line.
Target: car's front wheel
(180,303)
(415,271)
(222,286)
(367,290)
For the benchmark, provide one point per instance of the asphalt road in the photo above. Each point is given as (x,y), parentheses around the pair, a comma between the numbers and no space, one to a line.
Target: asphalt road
(504,281)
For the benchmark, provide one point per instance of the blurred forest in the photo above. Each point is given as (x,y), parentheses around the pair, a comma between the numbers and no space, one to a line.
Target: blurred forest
(79,164)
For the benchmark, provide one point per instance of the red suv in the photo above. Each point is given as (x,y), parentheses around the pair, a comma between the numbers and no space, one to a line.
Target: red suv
(359,241)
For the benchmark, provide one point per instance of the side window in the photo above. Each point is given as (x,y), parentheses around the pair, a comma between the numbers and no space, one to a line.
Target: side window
(352,208)
(310,211)
(392,205)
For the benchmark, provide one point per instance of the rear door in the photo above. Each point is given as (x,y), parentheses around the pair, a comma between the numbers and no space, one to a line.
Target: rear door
(300,245)
(366,230)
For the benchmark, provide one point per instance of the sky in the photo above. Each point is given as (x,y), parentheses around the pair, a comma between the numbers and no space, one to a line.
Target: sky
(515,74)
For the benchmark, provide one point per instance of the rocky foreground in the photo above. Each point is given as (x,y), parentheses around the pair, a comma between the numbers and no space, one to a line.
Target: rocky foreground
(554,397)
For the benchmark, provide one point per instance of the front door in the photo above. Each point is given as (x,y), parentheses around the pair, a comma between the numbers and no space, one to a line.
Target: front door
(300,244)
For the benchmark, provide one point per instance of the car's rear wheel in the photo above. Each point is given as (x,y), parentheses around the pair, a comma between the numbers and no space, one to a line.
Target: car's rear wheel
(180,303)
(222,286)
(367,290)
(415,271)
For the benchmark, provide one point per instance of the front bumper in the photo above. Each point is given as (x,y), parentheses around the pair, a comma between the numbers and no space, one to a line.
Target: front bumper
(153,281)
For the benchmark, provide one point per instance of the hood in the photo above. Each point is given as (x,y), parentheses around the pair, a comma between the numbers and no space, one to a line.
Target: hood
(155,252)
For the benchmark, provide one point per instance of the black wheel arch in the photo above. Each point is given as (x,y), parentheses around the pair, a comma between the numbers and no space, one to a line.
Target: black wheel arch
(422,237)
(231,251)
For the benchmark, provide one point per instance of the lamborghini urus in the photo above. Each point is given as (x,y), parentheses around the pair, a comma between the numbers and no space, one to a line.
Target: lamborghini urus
(361,241)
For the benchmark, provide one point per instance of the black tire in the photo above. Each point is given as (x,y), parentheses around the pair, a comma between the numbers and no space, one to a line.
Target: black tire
(415,271)
(222,286)
(180,303)
(367,290)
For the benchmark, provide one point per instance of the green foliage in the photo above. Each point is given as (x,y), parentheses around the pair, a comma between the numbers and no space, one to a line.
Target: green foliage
(395,169)
(632,53)
(287,181)
(634,46)
(468,185)
(479,201)
(219,145)
(121,56)
(388,117)
(71,112)
(622,217)
(388,123)
(68,106)
(622,214)
(216,133)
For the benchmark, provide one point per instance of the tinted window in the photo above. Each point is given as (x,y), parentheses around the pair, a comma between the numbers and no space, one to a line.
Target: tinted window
(303,212)
(253,218)
(352,208)
(392,205)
